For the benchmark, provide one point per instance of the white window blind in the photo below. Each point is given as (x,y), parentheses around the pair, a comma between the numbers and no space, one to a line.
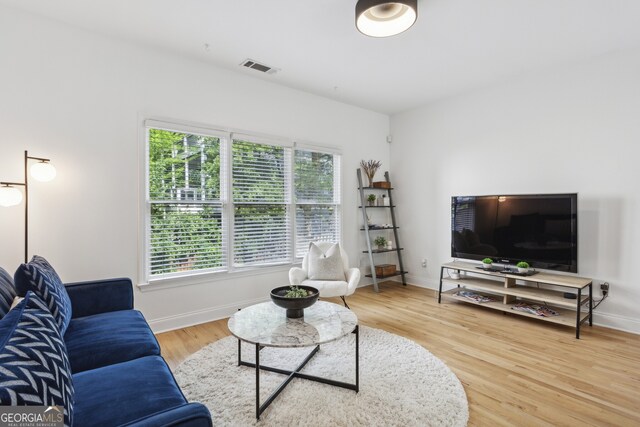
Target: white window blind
(261,175)
(186,220)
(317,198)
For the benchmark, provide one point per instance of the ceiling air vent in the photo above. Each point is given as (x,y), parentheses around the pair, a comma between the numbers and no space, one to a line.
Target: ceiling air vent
(250,63)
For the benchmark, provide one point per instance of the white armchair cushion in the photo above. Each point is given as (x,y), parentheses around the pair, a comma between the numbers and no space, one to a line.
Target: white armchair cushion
(325,265)
(328,288)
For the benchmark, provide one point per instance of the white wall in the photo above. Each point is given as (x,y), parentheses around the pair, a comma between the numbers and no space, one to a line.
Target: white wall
(574,129)
(80,98)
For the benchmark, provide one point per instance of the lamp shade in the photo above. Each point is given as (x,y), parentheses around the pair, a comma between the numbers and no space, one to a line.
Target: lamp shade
(10,196)
(43,171)
(377,18)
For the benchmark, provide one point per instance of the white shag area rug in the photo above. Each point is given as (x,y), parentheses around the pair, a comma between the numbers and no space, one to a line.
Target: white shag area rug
(401,384)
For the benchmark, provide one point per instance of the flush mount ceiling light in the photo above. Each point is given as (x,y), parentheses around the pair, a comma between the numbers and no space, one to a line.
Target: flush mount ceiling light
(378,18)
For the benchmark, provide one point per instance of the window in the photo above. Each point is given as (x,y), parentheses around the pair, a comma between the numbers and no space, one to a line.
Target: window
(261,198)
(265,210)
(317,191)
(186,227)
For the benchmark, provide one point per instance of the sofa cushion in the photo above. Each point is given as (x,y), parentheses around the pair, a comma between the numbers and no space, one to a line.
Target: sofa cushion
(108,338)
(34,368)
(38,276)
(7,292)
(325,265)
(124,392)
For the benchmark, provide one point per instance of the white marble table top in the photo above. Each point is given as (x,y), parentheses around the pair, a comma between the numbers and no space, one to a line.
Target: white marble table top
(267,324)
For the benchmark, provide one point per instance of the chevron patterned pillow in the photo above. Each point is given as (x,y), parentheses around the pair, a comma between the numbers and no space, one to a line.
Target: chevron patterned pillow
(39,277)
(34,367)
(7,292)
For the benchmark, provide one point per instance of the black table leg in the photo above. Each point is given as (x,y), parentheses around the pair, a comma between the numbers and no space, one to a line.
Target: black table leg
(357,358)
(579,304)
(257,381)
(591,304)
(440,290)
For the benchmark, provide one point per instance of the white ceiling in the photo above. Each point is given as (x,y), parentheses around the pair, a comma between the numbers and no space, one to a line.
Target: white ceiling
(455,46)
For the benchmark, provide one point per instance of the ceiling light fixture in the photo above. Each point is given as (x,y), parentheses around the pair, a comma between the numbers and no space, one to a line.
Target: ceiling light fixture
(379,18)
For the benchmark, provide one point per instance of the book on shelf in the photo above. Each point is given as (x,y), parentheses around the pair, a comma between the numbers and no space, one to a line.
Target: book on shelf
(473,296)
(535,309)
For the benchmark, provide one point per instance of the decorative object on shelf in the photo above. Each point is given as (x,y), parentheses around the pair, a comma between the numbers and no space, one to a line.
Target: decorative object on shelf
(42,171)
(523,267)
(380,242)
(382,184)
(455,275)
(371,198)
(291,298)
(385,270)
(487,263)
(382,18)
(370,168)
(390,245)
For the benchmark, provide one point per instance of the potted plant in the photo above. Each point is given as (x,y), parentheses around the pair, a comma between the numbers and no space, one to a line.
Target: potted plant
(295,292)
(522,266)
(371,198)
(380,242)
(487,263)
(294,299)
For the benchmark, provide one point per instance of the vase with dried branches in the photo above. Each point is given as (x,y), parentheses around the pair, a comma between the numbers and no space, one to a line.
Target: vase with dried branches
(370,168)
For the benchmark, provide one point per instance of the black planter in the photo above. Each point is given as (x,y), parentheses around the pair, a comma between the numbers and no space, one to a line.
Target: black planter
(295,306)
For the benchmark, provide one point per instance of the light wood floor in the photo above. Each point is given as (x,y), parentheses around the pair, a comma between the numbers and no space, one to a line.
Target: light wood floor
(515,371)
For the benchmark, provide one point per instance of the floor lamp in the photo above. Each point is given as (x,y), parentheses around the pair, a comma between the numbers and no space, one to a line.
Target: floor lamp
(10,196)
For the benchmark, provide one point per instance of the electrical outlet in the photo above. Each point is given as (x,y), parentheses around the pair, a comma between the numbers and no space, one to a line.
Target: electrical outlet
(424,263)
(604,288)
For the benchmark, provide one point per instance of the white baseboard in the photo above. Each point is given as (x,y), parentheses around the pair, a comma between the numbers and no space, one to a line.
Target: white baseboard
(614,321)
(183,320)
(422,282)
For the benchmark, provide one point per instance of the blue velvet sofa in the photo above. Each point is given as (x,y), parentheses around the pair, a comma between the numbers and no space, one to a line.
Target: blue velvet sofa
(117,373)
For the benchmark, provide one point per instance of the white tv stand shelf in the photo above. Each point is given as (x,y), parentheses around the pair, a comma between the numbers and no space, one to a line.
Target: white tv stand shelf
(511,289)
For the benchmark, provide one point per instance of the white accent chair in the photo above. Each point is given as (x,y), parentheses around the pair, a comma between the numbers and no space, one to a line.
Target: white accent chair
(327,288)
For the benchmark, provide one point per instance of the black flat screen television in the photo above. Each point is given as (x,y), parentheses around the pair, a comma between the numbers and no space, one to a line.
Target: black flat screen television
(541,229)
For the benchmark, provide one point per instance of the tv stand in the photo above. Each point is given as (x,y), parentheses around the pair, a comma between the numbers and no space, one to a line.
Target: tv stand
(506,292)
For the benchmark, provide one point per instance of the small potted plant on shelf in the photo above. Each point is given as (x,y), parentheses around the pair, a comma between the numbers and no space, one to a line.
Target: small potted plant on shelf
(522,266)
(380,242)
(487,263)
(371,198)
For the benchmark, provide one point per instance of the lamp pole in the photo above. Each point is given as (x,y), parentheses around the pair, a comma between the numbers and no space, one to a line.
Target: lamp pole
(25,184)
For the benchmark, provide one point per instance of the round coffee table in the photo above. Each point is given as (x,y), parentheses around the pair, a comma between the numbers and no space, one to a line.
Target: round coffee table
(266,325)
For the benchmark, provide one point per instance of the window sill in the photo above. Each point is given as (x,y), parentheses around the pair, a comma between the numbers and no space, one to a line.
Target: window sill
(202,278)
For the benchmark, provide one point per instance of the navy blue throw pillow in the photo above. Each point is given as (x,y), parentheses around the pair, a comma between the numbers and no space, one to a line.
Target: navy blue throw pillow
(34,366)
(7,292)
(39,277)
